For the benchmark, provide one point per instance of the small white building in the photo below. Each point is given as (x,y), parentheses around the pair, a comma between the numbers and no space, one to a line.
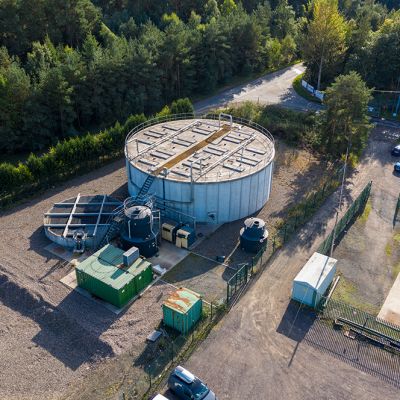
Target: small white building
(312,282)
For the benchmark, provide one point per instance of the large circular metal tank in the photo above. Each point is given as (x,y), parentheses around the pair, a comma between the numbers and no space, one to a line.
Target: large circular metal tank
(88,216)
(215,168)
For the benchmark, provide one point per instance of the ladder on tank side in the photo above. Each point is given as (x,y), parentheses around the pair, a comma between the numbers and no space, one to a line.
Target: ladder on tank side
(114,226)
(146,186)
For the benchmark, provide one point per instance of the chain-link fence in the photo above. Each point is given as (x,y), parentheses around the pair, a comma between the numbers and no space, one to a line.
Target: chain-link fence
(354,210)
(396,211)
(170,349)
(361,323)
(297,216)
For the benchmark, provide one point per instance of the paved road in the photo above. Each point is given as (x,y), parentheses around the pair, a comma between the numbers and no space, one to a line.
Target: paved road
(274,88)
(263,350)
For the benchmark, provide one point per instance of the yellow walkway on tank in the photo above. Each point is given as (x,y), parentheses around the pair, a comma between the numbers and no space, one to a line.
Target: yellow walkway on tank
(216,135)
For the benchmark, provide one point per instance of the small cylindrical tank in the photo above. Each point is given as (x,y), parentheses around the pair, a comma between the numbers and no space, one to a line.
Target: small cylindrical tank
(254,235)
(138,230)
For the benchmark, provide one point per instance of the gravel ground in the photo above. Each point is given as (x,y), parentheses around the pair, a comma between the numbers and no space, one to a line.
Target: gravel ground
(52,337)
(296,172)
(265,349)
(368,255)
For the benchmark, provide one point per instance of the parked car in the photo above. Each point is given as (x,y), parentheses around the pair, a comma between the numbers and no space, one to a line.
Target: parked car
(159,397)
(397,167)
(188,387)
(396,151)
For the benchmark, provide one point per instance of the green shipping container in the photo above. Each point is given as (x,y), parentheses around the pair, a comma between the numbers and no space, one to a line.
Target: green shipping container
(104,275)
(182,310)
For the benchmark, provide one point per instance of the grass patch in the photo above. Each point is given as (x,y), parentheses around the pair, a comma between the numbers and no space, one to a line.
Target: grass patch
(367,210)
(395,271)
(302,91)
(388,250)
(347,292)
(396,237)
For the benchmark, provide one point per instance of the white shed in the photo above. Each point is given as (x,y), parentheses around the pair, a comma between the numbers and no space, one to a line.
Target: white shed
(312,282)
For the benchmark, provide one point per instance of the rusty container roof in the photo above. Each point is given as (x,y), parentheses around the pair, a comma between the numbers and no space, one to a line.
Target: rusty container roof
(182,300)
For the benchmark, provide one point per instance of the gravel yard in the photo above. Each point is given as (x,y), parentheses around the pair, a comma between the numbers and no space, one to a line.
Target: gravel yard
(50,337)
(369,253)
(296,173)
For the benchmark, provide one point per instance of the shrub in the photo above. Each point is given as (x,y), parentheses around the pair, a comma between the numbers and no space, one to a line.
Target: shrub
(71,155)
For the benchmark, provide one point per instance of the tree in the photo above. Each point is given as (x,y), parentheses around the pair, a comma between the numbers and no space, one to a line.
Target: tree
(15,87)
(345,119)
(182,106)
(283,21)
(228,6)
(211,10)
(323,42)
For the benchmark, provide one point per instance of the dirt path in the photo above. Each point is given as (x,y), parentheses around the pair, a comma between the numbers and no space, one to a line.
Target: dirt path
(255,352)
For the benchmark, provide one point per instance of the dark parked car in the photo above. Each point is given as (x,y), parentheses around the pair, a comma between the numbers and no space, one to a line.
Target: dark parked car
(397,167)
(396,151)
(188,387)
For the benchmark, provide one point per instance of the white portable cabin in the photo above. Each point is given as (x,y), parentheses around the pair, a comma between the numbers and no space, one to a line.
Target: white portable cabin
(312,282)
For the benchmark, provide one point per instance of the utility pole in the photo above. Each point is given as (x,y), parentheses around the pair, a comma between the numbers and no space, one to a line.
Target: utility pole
(341,195)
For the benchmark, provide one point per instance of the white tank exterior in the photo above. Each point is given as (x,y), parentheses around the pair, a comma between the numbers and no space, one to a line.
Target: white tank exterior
(229,191)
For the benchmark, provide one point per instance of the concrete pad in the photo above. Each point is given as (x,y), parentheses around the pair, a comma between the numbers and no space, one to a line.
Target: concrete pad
(168,255)
(71,282)
(390,311)
(65,254)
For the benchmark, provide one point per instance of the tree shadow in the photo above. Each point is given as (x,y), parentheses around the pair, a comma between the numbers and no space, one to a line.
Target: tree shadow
(60,334)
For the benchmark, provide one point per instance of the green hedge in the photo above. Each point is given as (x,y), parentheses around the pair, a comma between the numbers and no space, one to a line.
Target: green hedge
(70,157)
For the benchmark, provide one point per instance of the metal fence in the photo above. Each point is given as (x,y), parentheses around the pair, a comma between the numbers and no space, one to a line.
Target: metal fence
(172,348)
(361,323)
(354,210)
(396,211)
(297,216)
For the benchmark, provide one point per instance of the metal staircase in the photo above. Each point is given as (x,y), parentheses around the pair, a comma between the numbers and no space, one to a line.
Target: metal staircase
(115,221)
(146,186)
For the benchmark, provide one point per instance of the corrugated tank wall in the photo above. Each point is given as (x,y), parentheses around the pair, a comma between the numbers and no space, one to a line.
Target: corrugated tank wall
(226,201)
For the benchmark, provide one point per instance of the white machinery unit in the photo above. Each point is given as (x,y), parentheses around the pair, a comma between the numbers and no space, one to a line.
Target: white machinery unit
(130,256)
(169,231)
(185,237)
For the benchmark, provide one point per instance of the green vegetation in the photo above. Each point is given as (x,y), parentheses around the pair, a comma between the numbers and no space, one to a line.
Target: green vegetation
(388,249)
(323,42)
(296,128)
(367,210)
(395,271)
(68,67)
(72,156)
(347,292)
(302,91)
(345,120)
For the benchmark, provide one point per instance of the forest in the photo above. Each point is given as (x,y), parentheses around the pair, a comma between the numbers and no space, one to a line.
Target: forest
(72,66)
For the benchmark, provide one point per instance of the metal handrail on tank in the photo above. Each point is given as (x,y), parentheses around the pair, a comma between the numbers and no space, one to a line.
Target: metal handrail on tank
(216,117)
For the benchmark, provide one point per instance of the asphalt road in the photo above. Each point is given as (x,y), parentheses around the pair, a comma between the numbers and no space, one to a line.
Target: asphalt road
(265,348)
(274,88)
